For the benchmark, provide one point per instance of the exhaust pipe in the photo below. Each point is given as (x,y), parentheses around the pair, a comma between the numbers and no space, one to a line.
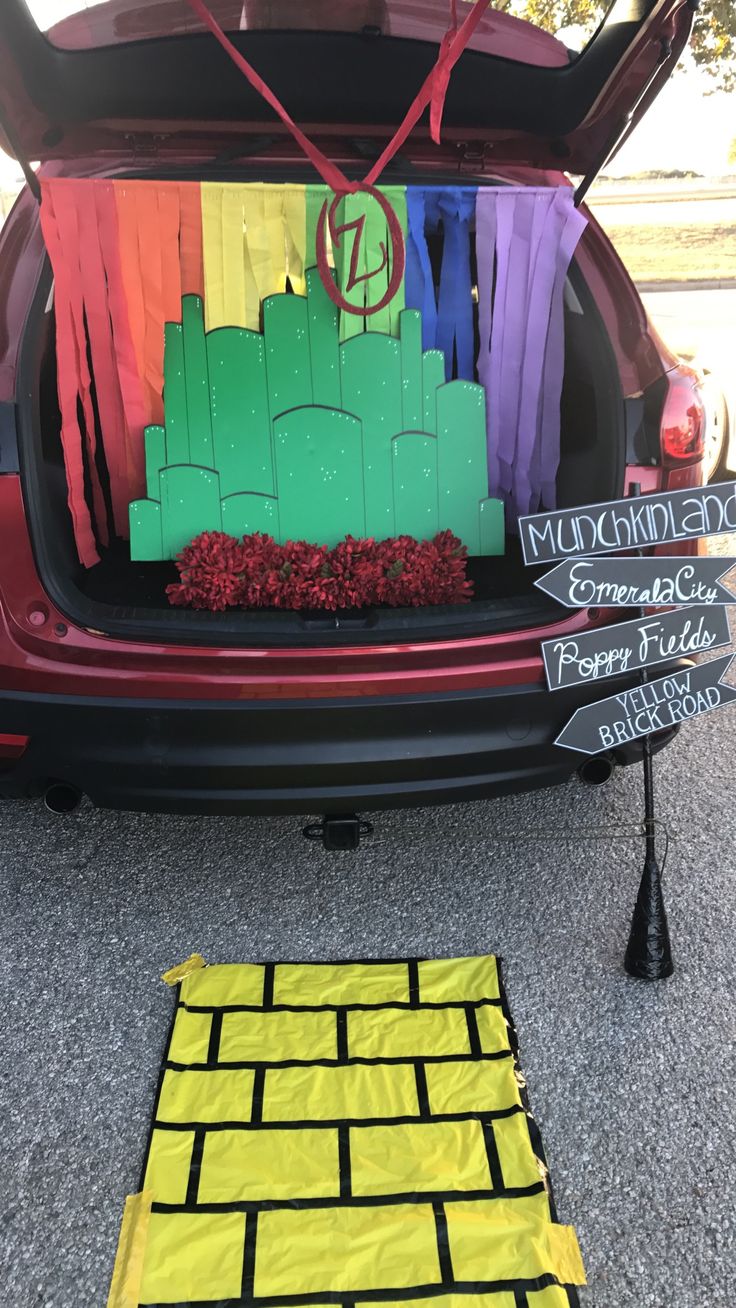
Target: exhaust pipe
(596,771)
(61,798)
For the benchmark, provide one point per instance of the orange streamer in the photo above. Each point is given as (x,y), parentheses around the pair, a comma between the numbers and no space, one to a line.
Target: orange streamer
(190,240)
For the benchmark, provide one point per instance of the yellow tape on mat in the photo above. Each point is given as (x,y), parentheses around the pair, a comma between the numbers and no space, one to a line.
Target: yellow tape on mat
(182,970)
(127,1274)
(344,1129)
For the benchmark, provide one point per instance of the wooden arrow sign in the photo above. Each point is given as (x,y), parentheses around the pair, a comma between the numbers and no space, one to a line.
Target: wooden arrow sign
(654,706)
(629,524)
(636,583)
(610,651)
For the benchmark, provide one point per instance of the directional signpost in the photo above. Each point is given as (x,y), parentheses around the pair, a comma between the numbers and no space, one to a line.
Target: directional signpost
(631,524)
(630,583)
(615,650)
(654,706)
(611,651)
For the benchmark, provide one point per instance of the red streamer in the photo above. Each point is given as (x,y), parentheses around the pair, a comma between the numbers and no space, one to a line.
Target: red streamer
(68,387)
(124,465)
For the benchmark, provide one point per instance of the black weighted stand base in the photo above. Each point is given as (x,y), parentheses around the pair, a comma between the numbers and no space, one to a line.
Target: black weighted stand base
(648,954)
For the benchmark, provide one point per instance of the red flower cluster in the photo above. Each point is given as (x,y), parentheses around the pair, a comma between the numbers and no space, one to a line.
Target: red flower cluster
(219,572)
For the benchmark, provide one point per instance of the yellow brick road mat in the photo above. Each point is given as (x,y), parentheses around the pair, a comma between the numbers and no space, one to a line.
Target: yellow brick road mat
(343,1133)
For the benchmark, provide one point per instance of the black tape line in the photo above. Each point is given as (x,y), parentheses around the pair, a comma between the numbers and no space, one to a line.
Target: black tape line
(443,1244)
(213,1050)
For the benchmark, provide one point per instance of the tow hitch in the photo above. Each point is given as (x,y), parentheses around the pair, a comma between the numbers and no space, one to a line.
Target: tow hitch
(338,830)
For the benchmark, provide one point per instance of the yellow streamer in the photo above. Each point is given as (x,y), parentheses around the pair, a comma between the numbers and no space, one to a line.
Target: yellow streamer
(212,256)
(256,236)
(295,221)
(234,300)
(257,244)
(253,235)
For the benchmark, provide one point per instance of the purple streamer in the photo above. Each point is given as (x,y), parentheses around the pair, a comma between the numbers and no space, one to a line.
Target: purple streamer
(547,226)
(554,364)
(513,329)
(485,247)
(528,235)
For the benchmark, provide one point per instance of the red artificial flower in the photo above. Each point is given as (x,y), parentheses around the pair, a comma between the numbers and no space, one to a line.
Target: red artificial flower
(218,572)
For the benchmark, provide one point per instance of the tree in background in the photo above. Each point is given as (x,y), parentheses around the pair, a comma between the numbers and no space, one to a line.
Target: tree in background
(713,42)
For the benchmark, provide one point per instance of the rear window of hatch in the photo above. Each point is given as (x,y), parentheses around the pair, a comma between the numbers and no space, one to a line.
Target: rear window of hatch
(503,30)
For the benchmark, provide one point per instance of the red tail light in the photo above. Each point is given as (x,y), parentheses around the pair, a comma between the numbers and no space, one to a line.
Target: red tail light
(682,430)
(12,746)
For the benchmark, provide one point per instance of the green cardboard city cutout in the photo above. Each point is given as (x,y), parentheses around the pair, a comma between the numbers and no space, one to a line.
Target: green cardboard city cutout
(291,433)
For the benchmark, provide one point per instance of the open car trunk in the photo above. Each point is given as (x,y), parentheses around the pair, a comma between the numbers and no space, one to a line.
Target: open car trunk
(132,79)
(127,598)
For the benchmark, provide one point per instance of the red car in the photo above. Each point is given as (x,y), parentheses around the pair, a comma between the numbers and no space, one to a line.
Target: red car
(106,691)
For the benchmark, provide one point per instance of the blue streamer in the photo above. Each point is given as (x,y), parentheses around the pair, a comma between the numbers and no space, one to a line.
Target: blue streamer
(449,325)
(418,282)
(455,312)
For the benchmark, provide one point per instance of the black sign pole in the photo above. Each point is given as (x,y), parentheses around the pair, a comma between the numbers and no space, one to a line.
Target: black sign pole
(648,953)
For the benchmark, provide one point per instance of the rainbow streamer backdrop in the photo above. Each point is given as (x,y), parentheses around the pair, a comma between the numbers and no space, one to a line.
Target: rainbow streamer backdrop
(124,253)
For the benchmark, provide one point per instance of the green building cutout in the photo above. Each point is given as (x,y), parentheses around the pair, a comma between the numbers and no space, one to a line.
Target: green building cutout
(291,433)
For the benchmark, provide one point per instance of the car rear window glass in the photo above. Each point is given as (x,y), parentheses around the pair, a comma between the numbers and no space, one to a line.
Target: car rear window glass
(506,29)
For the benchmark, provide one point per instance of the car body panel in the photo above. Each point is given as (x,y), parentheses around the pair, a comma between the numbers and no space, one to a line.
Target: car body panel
(186,728)
(172,92)
(336,756)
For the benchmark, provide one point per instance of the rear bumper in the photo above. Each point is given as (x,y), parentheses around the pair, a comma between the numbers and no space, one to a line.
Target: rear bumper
(334,755)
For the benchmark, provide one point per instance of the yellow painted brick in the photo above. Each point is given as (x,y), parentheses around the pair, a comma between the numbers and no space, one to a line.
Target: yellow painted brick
(306,1251)
(277,1037)
(407,1033)
(408,1158)
(261,1165)
(223,984)
(221,1095)
(504,1299)
(341,983)
(458,980)
(335,1093)
(552,1297)
(190,1038)
(505,1240)
(472,1086)
(519,1164)
(193,1256)
(492,1029)
(167,1167)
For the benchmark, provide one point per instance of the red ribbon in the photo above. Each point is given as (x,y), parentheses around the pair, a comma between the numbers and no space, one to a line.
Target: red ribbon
(433,91)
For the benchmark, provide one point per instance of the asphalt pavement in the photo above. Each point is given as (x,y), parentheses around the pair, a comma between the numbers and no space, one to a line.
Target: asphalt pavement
(632,1083)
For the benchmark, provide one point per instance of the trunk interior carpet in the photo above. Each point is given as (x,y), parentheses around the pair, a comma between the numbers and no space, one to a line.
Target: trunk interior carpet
(343,1133)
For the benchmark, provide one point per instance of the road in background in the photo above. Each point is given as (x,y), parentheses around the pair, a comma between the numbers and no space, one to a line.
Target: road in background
(672,210)
(697,323)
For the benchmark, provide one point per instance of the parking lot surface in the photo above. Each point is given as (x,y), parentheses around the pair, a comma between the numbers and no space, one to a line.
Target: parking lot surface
(632,1083)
